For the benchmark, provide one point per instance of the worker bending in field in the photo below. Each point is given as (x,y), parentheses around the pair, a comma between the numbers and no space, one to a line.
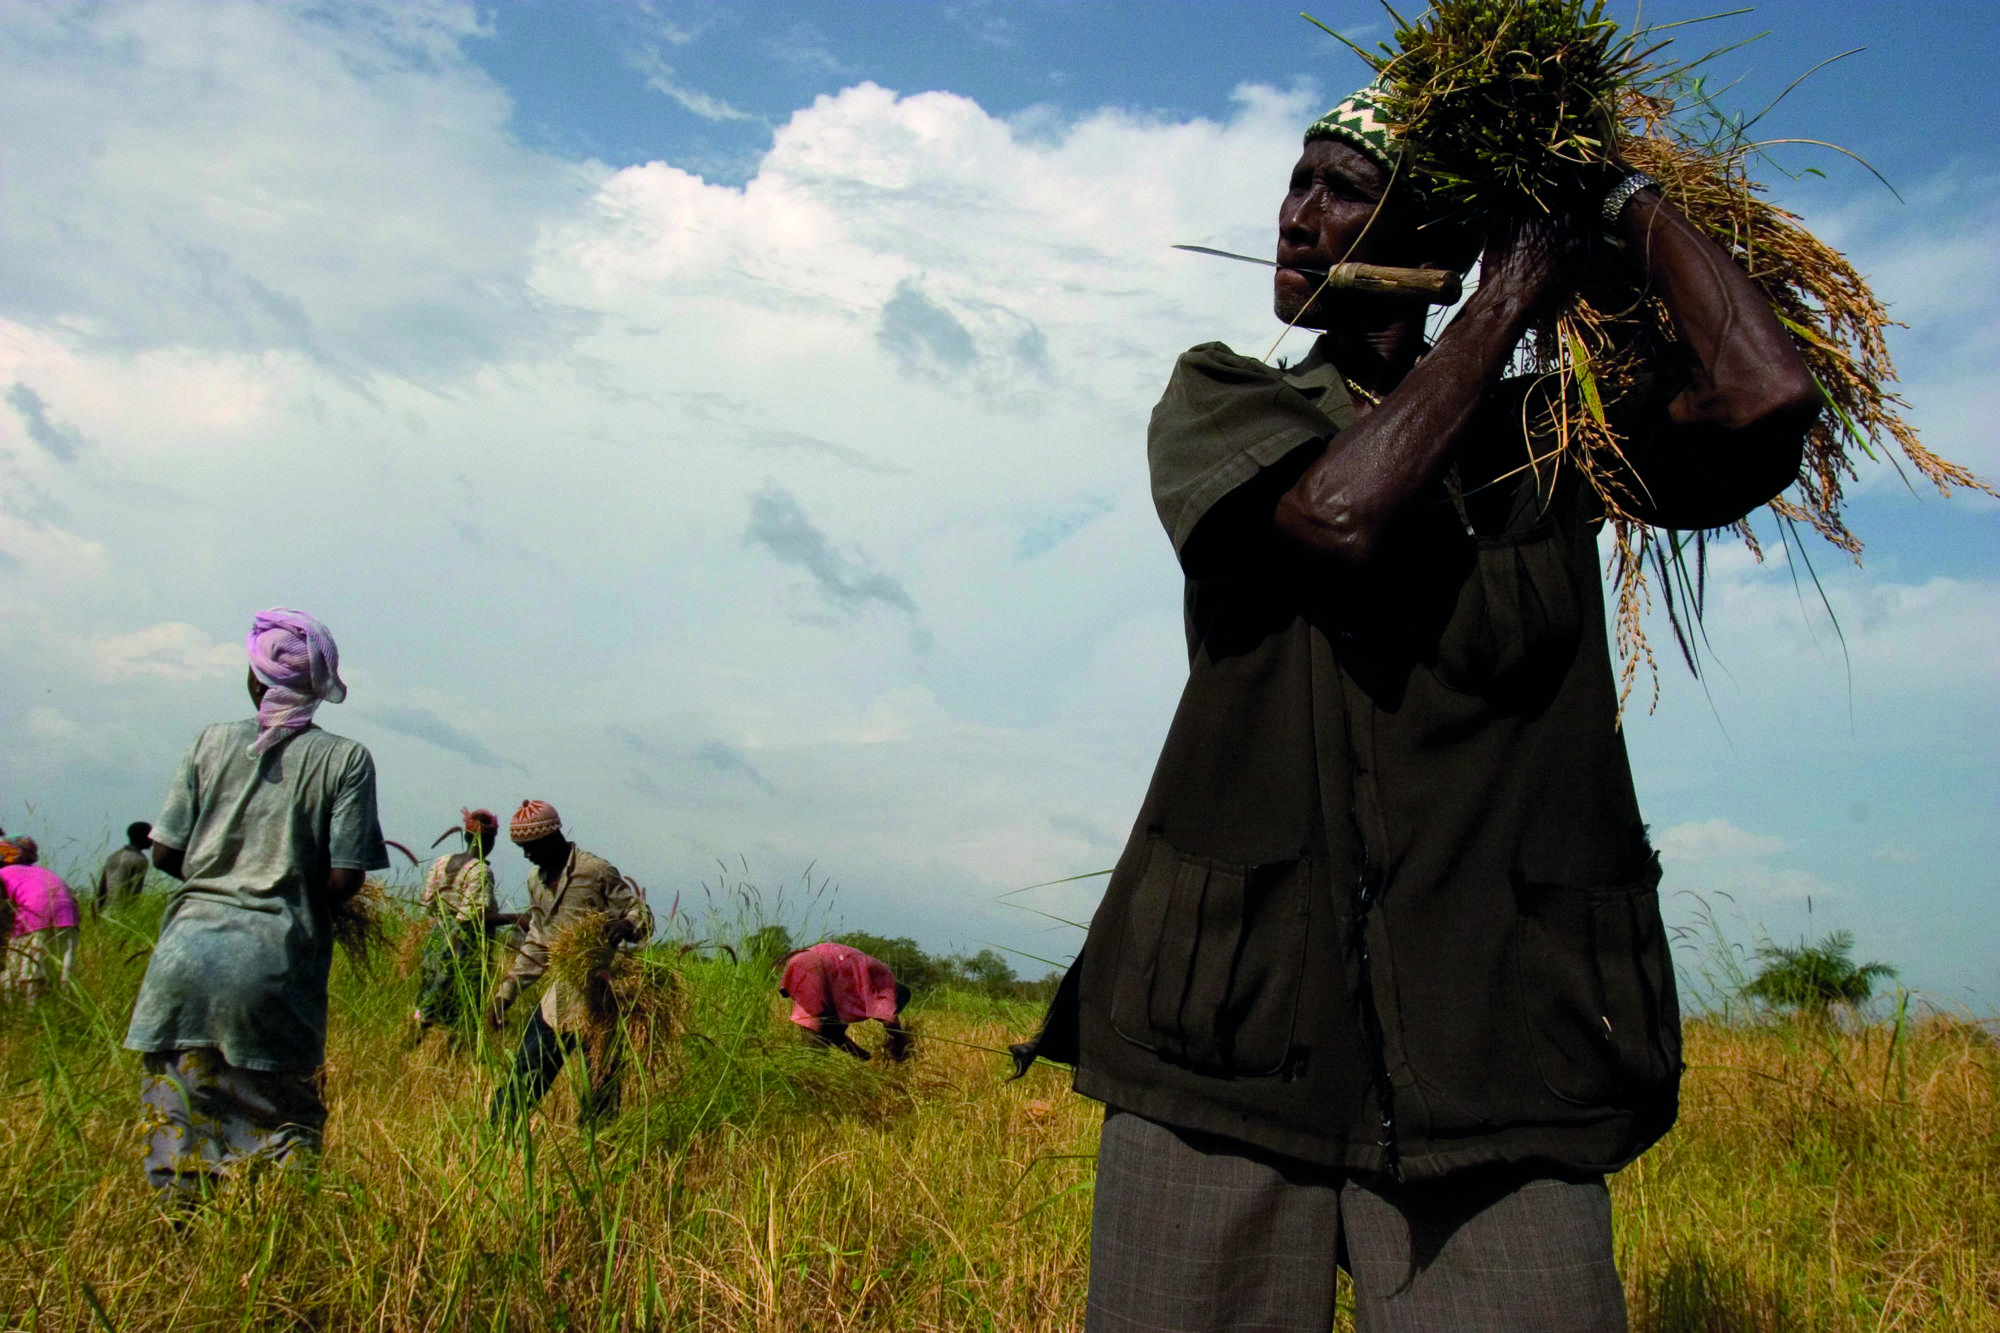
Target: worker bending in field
(270,825)
(565,886)
(123,875)
(458,895)
(42,944)
(832,985)
(1379,981)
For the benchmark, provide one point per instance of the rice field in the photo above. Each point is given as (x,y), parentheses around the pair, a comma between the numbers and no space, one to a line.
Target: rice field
(1819,1180)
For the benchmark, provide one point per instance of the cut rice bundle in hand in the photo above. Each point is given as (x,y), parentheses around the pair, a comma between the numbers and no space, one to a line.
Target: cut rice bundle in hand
(1512,112)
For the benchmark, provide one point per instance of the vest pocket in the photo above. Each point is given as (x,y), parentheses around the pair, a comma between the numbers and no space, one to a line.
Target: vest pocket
(1517,620)
(1597,991)
(1211,960)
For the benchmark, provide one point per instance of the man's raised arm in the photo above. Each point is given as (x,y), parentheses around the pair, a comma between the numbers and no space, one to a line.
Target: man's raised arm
(1732,438)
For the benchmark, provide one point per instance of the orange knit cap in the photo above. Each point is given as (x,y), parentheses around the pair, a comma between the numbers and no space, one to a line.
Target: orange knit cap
(533,821)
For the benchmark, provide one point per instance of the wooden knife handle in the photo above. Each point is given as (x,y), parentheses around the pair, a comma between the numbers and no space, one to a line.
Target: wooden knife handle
(1435,285)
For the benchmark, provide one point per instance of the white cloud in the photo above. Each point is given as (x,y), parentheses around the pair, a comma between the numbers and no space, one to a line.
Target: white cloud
(1897,640)
(171,650)
(805,48)
(1935,262)
(335,183)
(1712,861)
(1715,840)
(660,77)
(48,724)
(47,558)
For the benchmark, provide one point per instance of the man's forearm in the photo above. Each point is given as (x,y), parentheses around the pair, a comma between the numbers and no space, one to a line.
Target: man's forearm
(1344,502)
(1742,363)
(1732,437)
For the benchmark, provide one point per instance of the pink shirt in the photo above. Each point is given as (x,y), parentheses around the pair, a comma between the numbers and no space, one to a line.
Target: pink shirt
(41,899)
(836,982)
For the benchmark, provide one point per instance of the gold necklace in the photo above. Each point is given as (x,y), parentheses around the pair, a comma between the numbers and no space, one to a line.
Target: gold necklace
(1356,391)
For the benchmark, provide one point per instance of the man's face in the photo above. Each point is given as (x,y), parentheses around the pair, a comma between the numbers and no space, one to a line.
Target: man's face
(546,852)
(1325,220)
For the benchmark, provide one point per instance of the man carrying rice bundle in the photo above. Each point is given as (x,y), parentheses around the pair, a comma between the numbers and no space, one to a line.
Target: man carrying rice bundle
(1380,981)
(458,894)
(832,986)
(270,826)
(570,891)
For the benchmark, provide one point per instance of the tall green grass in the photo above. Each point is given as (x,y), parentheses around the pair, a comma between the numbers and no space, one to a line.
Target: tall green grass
(1821,1178)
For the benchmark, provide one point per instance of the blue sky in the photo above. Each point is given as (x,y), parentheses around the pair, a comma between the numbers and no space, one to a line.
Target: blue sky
(727,421)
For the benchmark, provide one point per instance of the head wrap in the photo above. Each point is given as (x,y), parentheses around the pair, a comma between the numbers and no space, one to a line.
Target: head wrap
(470,822)
(296,657)
(1357,122)
(533,821)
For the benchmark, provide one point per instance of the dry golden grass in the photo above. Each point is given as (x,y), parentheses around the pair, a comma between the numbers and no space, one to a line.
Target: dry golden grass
(1818,1180)
(1823,1179)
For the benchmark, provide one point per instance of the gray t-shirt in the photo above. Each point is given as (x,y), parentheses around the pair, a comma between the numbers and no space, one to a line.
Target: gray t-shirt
(244,951)
(123,876)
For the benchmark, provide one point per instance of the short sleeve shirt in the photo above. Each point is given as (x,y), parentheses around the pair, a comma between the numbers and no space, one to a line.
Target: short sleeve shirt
(41,900)
(124,874)
(840,984)
(244,950)
(462,892)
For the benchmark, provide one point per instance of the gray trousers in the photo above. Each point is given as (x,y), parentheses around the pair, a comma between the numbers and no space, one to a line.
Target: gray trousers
(1194,1233)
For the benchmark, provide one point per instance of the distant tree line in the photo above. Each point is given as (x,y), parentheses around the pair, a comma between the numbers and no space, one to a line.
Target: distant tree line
(984,973)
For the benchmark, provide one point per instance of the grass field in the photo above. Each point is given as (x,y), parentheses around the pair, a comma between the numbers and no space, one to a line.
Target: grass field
(1818,1180)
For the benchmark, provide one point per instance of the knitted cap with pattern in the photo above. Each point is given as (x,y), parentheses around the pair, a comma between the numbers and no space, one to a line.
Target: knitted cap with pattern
(533,821)
(1357,122)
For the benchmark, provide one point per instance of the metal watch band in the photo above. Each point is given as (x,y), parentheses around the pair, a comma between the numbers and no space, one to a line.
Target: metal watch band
(1621,194)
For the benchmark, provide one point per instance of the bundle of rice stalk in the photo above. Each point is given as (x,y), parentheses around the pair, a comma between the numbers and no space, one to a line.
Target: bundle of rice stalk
(1511,110)
(362,924)
(1507,107)
(410,947)
(613,995)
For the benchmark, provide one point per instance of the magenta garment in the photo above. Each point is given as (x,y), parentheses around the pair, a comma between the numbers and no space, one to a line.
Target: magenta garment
(836,982)
(41,899)
(296,657)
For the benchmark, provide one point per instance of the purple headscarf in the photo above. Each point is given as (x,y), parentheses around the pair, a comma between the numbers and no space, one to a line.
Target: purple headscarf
(297,658)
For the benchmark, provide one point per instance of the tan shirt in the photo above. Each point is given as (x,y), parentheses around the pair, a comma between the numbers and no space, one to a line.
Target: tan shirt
(586,884)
